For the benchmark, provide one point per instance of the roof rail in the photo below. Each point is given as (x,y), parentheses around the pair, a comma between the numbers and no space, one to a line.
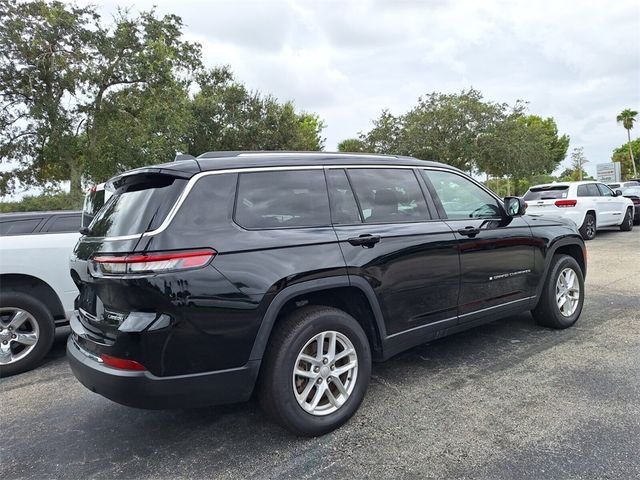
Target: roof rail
(241,153)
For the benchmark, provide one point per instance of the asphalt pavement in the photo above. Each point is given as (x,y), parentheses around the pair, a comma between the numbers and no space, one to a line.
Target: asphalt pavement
(506,400)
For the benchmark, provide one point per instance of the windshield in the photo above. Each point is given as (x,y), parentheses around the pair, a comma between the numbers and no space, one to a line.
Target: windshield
(547,193)
(137,210)
(631,191)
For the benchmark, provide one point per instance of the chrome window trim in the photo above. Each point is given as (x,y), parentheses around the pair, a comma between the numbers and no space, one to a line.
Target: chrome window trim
(192,181)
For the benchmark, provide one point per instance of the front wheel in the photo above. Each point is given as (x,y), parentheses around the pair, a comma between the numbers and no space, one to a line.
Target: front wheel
(627,221)
(562,295)
(316,370)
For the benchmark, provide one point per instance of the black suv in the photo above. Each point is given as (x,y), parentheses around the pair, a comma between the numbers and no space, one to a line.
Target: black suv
(288,273)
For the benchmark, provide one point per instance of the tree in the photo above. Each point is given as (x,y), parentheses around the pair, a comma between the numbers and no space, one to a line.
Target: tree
(578,160)
(623,154)
(628,117)
(352,145)
(227,116)
(385,135)
(556,145)
(58,66)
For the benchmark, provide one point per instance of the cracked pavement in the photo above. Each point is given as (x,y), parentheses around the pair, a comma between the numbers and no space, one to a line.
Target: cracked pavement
(506,400)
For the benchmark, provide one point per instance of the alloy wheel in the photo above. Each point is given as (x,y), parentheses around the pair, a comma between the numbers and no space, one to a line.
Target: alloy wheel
(567,292)
(19,333)
(325,373)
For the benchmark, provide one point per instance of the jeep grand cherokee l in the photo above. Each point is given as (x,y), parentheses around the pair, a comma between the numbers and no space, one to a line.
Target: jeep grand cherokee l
(288,273)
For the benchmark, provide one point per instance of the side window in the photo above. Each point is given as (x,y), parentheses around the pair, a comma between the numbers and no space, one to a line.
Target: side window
(592,190)
(344,209)
(583,191)
(605,191)
(64,224)
(19,227)
(389,195)
(461,198)
(208,204)
(282,199)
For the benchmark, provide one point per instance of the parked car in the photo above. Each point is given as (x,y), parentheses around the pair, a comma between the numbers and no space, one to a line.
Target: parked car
(289,273)
(633,193)
(630,183)
(590,205)
(36,291)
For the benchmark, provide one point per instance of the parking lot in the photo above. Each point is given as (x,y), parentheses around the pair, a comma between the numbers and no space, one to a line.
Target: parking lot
(506,400)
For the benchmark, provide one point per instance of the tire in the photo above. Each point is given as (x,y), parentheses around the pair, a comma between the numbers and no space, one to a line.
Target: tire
(278,385)
(548,313)
(588,228)
(35,325)
(627,221)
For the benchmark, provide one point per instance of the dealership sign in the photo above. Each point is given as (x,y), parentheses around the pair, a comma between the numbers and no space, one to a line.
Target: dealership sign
(608,172)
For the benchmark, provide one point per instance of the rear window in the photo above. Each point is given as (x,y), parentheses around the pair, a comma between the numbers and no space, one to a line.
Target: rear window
(282,199)
(19,227)
(547,193)
(141,208)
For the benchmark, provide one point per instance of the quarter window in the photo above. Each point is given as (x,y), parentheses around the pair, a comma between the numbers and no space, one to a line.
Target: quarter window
(281,199)
(388,195)
(461,198)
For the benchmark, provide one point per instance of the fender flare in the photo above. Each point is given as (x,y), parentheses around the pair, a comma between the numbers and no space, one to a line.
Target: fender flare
(569,240)
(282,297)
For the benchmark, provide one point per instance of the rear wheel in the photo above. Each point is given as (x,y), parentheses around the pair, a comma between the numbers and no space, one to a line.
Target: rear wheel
(316,370)
(26,332)
(588,228)
(562,296)
(627,221)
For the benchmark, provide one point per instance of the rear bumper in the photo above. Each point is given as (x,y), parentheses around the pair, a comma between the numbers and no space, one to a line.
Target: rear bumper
(144,390)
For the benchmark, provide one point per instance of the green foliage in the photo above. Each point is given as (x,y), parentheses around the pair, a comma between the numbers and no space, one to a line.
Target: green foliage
(352,145)
(627,118)
(39,203)
(470,133)
(621,154)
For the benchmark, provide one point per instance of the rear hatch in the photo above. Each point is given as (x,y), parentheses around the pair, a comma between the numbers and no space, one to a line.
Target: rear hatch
(141,201)
(547,199)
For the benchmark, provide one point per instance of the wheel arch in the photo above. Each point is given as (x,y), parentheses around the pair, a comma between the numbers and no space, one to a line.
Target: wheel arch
(572,246)
(353,295)
(36,287)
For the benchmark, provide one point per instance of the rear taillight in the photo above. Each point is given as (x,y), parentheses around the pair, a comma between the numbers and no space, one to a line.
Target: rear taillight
(121,363)
(565,203)
(152,262)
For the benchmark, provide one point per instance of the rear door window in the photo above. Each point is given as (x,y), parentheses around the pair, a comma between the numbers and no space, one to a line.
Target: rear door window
(592,189)
(388,195)
(64,224)
(141,208)
(344,209)
(282,199)
(547,193)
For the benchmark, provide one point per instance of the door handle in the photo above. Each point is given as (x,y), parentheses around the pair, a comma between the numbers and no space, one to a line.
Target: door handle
(366,240)
(469,231)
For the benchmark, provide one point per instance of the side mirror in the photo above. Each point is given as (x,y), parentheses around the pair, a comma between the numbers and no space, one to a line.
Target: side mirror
(618,193)
(514,206)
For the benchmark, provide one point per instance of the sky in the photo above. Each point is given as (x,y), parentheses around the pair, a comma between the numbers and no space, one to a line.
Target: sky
(577,61)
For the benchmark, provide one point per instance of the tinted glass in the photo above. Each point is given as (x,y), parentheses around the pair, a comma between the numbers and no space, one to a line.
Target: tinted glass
(631,191)
(344,209)
(605,191)
(582,191)
(65,224)
(19,227)
(138,210)
(592,190)
(547,193)
(461,198)
(389,195)
(209,202)
(282,199)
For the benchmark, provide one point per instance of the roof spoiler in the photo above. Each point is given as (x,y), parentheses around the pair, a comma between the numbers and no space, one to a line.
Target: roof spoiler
(183,156)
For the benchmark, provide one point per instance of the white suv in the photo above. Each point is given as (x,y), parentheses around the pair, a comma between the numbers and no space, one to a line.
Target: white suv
(590,205)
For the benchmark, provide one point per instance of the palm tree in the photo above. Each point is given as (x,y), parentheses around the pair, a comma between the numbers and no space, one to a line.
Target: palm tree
(627,117)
